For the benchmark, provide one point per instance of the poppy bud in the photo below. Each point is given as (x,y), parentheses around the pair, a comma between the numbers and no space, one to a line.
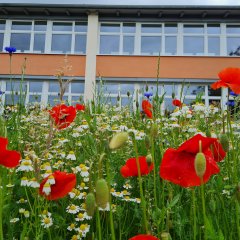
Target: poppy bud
(165,236)
(225,142)
(200,164)
(173,95)
(118,98)
(128,93)
(137,104)
(90,204)
(154,130)
(118,140)
(149,160)
(146,88)
(102,193)
(208,133)
(147,142)
(238,192)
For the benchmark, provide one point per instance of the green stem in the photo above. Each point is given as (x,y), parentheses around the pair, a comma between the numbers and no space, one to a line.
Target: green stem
(194,215)
(143,202)
(154,172)
(237,218)
(203,208)
(99,226)
(1,208)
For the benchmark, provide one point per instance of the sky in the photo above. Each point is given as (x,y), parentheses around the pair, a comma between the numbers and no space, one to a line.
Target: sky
(131,2)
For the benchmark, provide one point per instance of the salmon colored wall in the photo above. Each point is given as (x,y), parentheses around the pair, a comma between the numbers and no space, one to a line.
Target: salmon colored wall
(121,66)
(170,67)
(42,64)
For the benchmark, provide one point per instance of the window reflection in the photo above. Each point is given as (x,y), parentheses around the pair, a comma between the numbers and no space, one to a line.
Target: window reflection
(194,45)
(18,25)
(2,25)
(60,26)
(214,45)
(233,44)
(128,45)
(109,44)
(61,43)
(1,41)
(110,27)
(21,41)
(150,45)
(170,45)
(39,43)
(80,44)
(151,28)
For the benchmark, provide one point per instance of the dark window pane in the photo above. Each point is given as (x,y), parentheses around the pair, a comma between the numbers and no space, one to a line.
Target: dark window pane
(40,26)
(193,29)
(39,42)
(214,46)
(233,46)
(1,41)
(170,28)
(77,87)
(35,86)
(150,45)
(60,26)
(80,44)
(2,25)
(110,27)
(80,27)
(21,41)
(170,45)
(61,43)
(109,44)
(151,28)
(214,93)
(129,27)
(193,90)
(128,45)
(233,29)
(21,25)
(194,45)
(213,29)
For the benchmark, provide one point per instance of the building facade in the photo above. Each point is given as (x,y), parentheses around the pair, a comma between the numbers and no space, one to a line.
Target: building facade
(116,50)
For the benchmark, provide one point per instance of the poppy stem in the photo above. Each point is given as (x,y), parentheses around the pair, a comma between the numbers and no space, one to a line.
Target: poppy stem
(194,215)
(143,202)
(203,208)
(1,207)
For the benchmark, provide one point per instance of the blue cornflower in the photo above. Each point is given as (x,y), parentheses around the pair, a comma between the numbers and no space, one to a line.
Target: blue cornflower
(230,103)
(1,92)
(10,50)
(233,94)
(148,94)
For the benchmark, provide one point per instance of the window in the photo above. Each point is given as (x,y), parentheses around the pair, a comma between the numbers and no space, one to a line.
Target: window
(233,40)
(40,28)
(213,35)
(2,28)
(117,38)
(151,39)
(193,39)
(170,35)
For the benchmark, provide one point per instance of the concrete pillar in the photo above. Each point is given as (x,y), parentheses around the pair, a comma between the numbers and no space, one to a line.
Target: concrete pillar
(91,52)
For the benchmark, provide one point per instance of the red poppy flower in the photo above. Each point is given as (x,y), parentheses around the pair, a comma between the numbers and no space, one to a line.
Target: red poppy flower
(144,237)
(8,158)
(178,164)
(176,102)
(80,107)
(63,115)
(147,108)
(130,168)
(64,183)
(229,77)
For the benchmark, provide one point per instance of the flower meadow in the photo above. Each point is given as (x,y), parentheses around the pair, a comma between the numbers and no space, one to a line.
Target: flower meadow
(94,171)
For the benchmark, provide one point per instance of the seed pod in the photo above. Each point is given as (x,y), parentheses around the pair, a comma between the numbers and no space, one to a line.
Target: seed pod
(146,88)
(154,130)
(200,164)
(149,160)
(90,204)
(165,236)
(118,140)
(225,142)
(102,193)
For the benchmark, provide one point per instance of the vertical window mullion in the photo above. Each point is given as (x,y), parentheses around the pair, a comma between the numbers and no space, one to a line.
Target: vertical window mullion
(32,37)
(48,37)
(137,41)
(7,35)
(44,98)
(180,39)
(205,39)
(223,40)
(121,40)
